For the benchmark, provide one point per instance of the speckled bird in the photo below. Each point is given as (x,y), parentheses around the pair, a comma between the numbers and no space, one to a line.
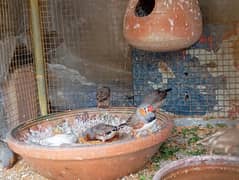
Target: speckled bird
(102,132)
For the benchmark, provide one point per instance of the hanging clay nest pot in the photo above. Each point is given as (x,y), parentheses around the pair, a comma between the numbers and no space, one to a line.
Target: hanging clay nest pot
(162,25)
(212,167)
(104,160)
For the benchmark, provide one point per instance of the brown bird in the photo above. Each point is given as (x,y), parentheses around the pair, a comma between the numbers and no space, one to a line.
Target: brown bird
(103,97)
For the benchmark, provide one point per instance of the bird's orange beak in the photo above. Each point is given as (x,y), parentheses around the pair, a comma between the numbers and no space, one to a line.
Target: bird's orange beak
(142,111)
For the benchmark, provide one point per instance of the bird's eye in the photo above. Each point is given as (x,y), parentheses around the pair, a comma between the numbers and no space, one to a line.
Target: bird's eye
(107,133)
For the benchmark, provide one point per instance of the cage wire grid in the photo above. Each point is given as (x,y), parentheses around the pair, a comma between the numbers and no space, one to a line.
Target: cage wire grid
(80,60)
(18,86)
(83,51)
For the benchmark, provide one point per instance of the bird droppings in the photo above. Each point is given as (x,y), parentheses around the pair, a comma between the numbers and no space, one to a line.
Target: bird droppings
(72,132)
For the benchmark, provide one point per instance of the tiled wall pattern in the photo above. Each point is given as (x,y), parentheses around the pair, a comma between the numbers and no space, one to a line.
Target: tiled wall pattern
(204,78)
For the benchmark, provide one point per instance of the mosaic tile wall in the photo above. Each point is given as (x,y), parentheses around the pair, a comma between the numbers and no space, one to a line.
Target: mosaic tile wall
(204,78)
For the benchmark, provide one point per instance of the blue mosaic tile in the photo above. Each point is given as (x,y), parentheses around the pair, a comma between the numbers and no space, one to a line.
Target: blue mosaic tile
(193,87)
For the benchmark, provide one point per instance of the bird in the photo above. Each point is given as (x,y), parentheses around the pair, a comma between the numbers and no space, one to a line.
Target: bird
(224,141)
(103,97)
(7,157)
(142,119)
(145,115)
(102,132)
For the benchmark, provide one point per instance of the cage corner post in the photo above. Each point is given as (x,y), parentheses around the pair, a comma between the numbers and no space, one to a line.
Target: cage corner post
(38,55)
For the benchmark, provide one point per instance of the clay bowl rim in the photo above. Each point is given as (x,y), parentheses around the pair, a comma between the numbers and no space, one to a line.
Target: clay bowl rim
(87,151)
(195,161)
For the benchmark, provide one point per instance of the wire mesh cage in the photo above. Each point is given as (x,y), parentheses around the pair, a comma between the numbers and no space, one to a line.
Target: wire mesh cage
(78,59)
(19,101)
(83,48)
(203,77)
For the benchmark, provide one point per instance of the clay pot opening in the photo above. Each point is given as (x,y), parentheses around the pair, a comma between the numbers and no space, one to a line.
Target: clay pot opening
(144,7)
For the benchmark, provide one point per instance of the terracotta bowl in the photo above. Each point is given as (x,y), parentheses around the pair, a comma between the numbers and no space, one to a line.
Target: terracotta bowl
(100,161)
(200,168)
